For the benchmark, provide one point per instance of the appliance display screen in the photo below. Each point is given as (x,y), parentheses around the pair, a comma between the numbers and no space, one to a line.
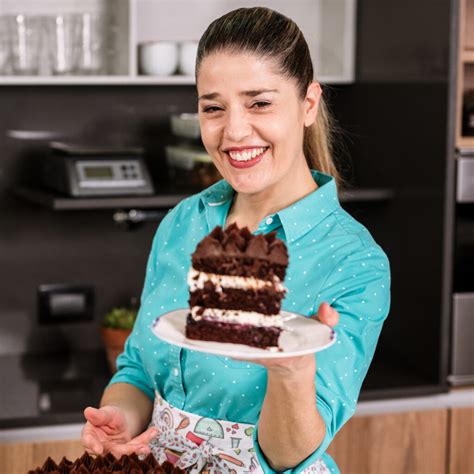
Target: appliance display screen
(98,172)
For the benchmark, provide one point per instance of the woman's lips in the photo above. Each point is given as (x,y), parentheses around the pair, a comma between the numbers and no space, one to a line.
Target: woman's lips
(246,163)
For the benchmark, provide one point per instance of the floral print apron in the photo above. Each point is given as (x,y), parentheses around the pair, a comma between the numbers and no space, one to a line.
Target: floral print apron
(205,445)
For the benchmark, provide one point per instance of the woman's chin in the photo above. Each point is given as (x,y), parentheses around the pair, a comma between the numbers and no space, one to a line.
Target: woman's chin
(247,184)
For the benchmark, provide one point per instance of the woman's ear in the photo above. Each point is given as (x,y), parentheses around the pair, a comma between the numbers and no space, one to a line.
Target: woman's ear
(311,103)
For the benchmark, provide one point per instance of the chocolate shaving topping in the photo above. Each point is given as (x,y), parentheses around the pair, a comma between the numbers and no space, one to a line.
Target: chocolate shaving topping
(49,465)
(257,247)
(127,464)
(87,460)
(109,459)
(99,463)
(240,242)
(278,252)
(150,460)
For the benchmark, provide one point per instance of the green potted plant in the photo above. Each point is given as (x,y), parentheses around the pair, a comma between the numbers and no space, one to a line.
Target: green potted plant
(116,327)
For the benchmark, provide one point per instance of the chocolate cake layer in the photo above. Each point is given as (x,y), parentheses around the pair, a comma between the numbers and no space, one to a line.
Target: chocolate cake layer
(260,301)
(240,266)
(238,252)
(204,330)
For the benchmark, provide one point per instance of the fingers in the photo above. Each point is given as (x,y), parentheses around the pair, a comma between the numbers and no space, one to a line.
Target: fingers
(119,450)
(327,315)
(105,416)
(139,444)
(93,445)
(145,437)
(90,440)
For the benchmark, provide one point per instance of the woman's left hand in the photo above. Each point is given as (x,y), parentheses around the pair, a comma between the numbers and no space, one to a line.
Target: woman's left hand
(327,315)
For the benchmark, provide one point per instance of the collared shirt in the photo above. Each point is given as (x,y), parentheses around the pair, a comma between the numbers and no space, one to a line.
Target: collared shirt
(332,258)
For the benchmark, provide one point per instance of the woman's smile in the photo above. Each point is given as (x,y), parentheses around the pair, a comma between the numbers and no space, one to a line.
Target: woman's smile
(245,157)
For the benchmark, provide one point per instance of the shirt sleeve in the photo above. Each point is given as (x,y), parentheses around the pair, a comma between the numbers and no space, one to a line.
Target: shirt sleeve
(359,289)
(130,368)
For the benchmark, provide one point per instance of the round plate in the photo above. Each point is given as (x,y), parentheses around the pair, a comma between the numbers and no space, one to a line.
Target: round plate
(301,335)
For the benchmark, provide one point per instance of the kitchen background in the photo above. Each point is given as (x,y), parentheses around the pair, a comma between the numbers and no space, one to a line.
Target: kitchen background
(398,136)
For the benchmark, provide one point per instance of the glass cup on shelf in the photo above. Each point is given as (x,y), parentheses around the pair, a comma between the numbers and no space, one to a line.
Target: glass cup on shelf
(61,34)
(4,46)
(91,44)
(25,31)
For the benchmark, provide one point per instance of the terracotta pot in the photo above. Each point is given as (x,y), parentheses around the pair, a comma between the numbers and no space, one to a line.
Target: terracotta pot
(114,341)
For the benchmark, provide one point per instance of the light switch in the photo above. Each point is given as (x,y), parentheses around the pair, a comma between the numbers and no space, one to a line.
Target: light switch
(61,303)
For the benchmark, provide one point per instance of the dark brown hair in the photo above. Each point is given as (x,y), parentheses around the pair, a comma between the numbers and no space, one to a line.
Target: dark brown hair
(269,34)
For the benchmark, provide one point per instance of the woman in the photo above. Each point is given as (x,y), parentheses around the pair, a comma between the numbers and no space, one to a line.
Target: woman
(264,123)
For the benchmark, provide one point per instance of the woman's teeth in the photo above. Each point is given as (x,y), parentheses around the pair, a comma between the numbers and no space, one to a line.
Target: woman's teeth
(246,155)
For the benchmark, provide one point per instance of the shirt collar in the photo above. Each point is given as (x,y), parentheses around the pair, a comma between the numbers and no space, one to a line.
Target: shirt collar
(298,218)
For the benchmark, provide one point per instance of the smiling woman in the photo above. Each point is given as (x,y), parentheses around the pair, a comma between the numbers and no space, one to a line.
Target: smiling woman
(264,123)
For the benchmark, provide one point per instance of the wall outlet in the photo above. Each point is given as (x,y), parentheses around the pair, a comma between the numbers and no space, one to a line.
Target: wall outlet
(62,303)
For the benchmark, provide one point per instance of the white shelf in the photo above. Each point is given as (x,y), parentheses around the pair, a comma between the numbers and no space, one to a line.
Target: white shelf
(175,80)
(328,26)
(94,80)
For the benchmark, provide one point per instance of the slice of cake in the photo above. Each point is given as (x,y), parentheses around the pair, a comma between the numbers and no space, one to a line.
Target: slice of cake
(236,288)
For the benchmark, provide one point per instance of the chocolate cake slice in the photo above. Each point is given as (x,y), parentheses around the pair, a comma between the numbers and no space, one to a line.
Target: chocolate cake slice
(236,288)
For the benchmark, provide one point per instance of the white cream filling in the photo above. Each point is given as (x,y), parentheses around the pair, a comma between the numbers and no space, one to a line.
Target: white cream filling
(237,317)
(197,279)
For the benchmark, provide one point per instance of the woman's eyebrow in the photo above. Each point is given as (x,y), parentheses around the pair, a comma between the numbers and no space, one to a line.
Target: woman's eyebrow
(251,93)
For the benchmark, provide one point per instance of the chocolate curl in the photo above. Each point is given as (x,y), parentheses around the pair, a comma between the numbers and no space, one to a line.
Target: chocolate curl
(208,247)
(258,247)
(246,234)
(217,233)
(271,237)
(278,253)
(86,460)
(65,462)
(116,467)
(49,465)
(150,460)
(80,470)
(109,459)
(99,463)
(235,241)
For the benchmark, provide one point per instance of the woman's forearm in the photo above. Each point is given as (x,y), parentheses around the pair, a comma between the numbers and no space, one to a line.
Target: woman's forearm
(290,427)
(136,406)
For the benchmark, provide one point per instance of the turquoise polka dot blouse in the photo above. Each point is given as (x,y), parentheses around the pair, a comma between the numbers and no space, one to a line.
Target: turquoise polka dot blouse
(333,258)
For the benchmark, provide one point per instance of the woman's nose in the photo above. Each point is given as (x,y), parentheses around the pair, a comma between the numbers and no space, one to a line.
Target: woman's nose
(237,126)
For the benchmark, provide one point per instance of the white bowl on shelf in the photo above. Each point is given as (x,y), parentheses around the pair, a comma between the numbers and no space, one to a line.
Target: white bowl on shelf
(187,57)
(186,125)
(158,58)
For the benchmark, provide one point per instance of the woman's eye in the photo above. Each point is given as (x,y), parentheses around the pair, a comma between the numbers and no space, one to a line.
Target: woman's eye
(260,104)
(211,109)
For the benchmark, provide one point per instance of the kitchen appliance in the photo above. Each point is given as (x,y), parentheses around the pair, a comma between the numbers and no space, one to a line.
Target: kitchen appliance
(462,354)
(462,316)
(468,114)
(188,161)
(86,171)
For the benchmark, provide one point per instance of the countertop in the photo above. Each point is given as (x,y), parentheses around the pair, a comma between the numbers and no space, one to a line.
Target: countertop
(454,399)
(48,393)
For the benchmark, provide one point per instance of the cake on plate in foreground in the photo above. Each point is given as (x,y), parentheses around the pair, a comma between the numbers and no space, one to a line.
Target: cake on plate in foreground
(236,288)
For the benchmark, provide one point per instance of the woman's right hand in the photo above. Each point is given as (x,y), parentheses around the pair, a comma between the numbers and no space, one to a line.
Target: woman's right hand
(107,431)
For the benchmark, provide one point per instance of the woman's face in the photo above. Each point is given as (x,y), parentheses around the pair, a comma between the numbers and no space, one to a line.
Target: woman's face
(252,120)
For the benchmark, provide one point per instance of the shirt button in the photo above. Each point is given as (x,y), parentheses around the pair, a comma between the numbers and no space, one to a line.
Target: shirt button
(175,372)
(269,221)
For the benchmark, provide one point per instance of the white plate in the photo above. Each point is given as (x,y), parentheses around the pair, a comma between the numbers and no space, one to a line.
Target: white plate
(300,335)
